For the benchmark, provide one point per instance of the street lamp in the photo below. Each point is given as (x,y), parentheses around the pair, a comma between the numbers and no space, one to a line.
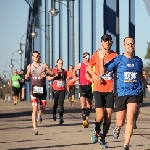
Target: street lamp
(54,13)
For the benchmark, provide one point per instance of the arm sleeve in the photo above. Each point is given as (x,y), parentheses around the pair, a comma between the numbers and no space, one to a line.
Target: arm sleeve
(111,65)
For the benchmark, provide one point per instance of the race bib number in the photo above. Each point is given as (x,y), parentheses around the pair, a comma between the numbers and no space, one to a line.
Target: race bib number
(130,76)
(16,82)
(60,83)
(37,89)
(108,76)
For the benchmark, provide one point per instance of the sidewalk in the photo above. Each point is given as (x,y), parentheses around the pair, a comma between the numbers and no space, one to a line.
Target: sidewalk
(16,129)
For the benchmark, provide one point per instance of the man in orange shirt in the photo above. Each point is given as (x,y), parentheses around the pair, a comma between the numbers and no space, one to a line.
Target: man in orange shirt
(103,90)
(71,86)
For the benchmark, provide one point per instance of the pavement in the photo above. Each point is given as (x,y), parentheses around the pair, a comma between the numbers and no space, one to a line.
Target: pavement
(16,129)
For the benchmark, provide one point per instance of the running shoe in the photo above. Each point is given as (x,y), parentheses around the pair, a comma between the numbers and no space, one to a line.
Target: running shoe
(116,132)
(35,131)
(103,144)
(126,147)
(99,134)
(61,121)
(54,117)
(85,124)
(94,138)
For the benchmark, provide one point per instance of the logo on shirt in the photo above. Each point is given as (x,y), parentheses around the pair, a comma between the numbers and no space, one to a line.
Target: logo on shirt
(130,76)
(130,65)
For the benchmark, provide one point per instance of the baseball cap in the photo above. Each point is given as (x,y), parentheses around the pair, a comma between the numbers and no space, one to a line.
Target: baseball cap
(106,37)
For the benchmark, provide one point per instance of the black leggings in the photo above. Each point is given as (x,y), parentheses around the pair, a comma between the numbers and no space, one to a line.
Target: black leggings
(59,97)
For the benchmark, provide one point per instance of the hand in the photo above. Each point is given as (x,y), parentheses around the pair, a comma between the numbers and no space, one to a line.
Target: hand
(43,74)
(76,78)
(27,76)
(101,54)
(97,79)
(148,86)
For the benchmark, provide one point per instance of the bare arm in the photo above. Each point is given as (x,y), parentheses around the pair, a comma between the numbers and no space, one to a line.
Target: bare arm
(88,77)
(143,79)
(10,83)
(49,70)
(76,68)
(28,74)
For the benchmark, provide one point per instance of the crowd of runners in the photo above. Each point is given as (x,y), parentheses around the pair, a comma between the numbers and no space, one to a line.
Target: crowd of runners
(112,79)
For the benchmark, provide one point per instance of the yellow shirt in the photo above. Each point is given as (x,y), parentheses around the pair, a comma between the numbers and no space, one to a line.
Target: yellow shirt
(93,82)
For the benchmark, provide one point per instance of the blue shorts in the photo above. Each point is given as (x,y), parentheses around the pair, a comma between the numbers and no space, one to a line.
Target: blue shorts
(23,86)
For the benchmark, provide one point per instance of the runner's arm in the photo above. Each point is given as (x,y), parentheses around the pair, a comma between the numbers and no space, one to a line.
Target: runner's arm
(28,74)
(49,70)
(75,69)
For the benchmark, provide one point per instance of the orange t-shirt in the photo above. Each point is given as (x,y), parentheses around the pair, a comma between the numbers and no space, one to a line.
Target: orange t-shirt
(70,81)
(107,84)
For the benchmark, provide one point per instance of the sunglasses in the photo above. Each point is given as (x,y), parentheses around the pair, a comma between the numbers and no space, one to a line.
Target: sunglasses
(36,55)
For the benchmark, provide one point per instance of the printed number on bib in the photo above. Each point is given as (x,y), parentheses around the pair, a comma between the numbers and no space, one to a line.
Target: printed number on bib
(16,82)
(60,83)
(130,76)
(37,89)
(108,76)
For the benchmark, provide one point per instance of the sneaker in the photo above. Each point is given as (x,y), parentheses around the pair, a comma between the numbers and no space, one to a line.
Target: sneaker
(99,134)
(54,117)
(126,147)
(116,132)
(85,124)
(35,131)
(103,144)
(94,138)
(135,126)
(61,121)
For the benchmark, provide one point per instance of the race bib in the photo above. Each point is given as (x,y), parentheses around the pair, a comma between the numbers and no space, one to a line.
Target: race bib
(108,76)
(37,89)
(16,82)
(60,83)
(130,76)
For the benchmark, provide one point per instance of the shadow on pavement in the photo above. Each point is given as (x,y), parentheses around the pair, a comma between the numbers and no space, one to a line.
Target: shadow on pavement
(54,146)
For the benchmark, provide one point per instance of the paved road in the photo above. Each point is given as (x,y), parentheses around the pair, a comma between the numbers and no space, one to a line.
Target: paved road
(16,130)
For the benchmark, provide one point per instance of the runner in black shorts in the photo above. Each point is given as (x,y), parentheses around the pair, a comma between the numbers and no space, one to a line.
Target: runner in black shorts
(85,88)
(103,90)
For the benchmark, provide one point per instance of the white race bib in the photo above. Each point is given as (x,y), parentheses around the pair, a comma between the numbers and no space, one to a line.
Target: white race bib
(108,76)
(130,76)
(16,82)
(60,83)
(37,89)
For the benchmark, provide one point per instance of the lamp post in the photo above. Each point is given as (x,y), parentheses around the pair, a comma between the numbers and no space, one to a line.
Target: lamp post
(54,12)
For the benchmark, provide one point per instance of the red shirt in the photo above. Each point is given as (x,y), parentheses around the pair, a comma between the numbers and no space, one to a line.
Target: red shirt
(60,80)
(83,71)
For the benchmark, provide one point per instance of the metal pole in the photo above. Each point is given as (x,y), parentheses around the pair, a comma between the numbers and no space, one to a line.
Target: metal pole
(48,89)
(73,59)
(117,28)
(21,56)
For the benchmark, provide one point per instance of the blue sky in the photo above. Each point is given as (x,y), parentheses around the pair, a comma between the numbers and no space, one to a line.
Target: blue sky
(13,24)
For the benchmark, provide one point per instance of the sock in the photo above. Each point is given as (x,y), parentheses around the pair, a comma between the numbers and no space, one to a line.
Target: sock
(105,130)
(84,113)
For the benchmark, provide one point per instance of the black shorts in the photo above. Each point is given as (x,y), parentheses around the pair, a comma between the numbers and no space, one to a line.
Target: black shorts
(16,91)
(104,99)
(122,101)
(86,91)
(71,90)
(141,97)
(40,96)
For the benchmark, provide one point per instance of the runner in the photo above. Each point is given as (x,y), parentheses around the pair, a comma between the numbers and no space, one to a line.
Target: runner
(59,89)
(22,85)
(103,90)
(85,89)
(129,71)
(71,86)
(15,83)
(37,72)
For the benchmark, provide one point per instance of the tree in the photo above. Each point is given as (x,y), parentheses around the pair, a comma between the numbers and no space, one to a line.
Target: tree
(147,57)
